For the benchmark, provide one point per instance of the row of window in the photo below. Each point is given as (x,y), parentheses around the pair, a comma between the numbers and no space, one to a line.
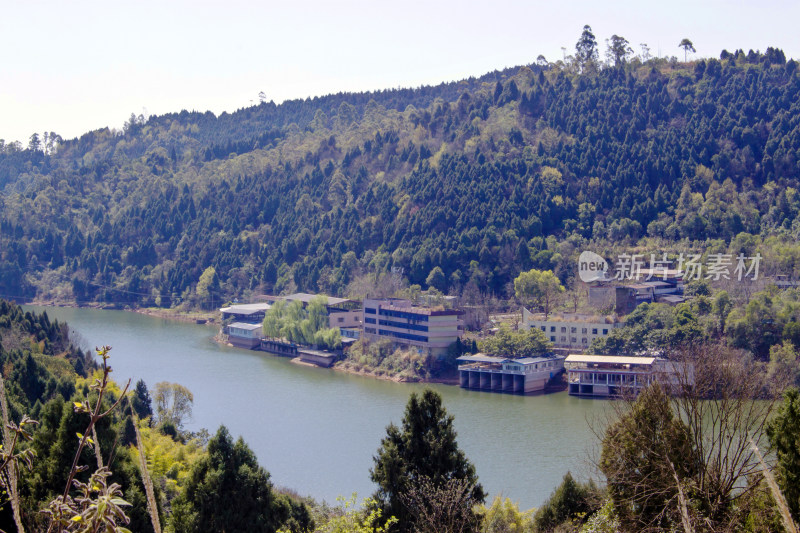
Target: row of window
(406,336)
(573,330)
(573,340)
(403,325)
(403,314)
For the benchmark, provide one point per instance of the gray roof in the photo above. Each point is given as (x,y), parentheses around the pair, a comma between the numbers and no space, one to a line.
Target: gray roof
(242,325)
(613,359)
(246,309)
(532,360)
(481,358)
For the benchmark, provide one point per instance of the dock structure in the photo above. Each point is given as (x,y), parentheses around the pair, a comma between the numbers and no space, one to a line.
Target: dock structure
(501,374)
(616,375)
(317,357)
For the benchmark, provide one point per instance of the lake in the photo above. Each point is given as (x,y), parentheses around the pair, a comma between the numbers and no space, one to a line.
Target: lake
(316,430)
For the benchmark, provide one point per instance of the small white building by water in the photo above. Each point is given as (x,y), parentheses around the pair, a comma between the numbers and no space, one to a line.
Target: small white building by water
(501,374)
(244,335)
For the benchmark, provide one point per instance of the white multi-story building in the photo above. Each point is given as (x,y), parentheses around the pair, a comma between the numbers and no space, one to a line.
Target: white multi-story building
(570,331)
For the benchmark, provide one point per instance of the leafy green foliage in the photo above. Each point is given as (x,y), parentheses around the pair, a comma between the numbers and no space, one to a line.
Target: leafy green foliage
(504,516)
(644,454)
(652,328)
(784,437)
(516,344)
(228,491)
(173,403)
(569,503)
(304,325)
(423,448)
(765,321)
(141,401)
(538,287)
(381,358)
(468,177)
(352,520)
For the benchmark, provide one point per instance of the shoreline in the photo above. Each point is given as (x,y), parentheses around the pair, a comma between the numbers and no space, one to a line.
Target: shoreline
(397,379)
(195,317)
(208,318)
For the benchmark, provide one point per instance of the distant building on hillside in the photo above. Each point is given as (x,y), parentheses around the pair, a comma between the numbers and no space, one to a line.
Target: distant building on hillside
(430,330)
(651,285)
(570,331)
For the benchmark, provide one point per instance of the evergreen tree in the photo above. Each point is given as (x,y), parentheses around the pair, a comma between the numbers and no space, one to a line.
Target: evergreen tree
(643,453)
(141,401)
(784,437)
(228,491)
(422,452)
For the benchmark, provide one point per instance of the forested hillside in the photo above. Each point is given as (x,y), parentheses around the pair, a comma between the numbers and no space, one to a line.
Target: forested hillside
(482,178)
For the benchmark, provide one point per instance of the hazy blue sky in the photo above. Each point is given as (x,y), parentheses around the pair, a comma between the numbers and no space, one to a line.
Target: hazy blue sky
(71,67)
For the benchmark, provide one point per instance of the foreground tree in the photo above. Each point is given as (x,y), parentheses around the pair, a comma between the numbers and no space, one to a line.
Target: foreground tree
(228,491)
(685,459)
(418,463)
(569,504)
(643,454)
(784,437)
(504,516)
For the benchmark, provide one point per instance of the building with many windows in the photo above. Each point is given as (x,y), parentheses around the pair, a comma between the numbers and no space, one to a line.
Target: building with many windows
(428,329)
(570,331)
(619,375)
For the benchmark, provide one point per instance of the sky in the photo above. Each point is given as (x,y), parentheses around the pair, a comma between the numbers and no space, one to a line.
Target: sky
(72,67)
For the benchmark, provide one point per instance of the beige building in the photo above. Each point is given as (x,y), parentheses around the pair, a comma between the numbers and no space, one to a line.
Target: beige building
(620,375)
(428,329)
(570,331)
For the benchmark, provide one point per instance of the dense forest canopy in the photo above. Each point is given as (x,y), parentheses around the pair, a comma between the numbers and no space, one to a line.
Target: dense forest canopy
(481,178)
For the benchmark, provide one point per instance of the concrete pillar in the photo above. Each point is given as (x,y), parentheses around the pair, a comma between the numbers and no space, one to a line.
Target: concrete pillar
(519,383)
(486,380)
(508,382)
(474,379)
(497,381)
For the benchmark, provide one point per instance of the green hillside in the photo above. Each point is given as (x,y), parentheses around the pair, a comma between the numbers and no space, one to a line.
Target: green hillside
(482,178)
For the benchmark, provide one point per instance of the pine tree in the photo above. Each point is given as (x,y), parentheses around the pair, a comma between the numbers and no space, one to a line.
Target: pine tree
(784,437)
(422,452)
(141,401)
(227,491)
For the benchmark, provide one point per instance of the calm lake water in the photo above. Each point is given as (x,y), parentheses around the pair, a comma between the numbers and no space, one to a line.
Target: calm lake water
(316,430)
